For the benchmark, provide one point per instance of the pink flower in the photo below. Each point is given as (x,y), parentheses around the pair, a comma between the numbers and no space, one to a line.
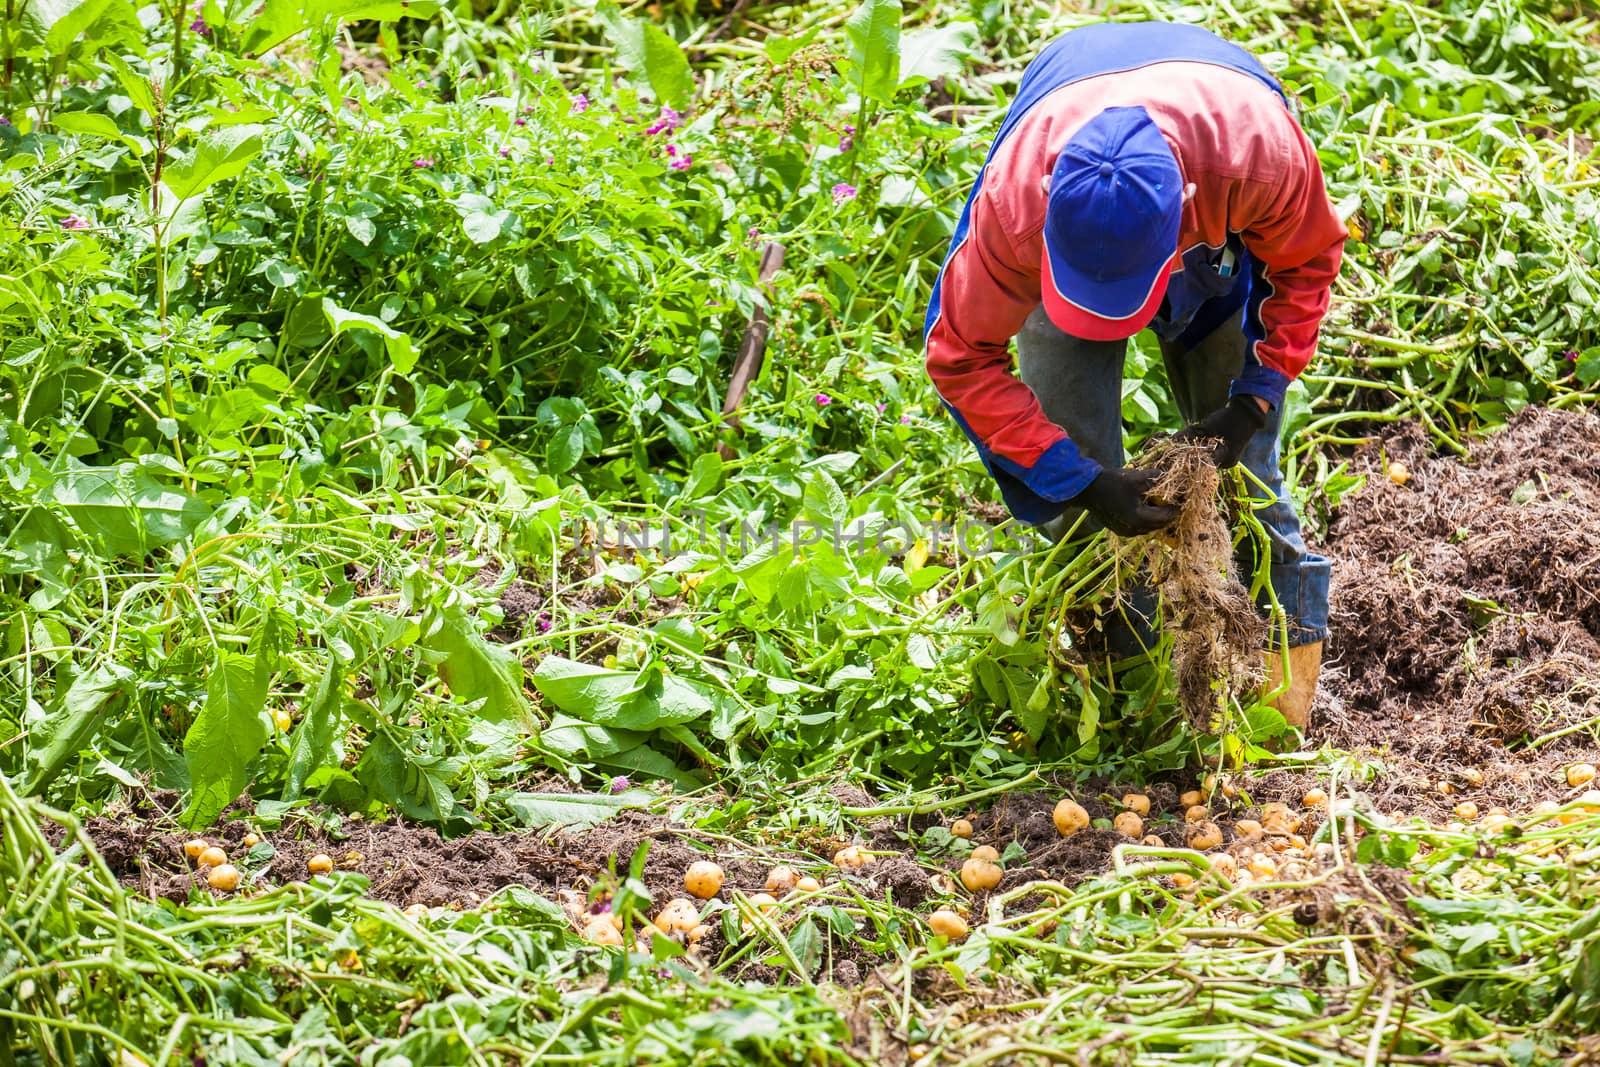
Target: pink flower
(619,784)
(505,151)
(843,191)
(74,222)
(542,621)
(199,26)
(667,120)
(881,406)
(522,122)
(422,162)
(672,149)
(683,162)
(905,420)
(580,104)
(822,400)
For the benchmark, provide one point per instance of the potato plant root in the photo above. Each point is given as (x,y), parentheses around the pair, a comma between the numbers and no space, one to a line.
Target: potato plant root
(1218,633)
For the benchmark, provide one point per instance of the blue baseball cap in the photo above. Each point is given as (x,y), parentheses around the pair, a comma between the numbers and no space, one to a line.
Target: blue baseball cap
(1111,226)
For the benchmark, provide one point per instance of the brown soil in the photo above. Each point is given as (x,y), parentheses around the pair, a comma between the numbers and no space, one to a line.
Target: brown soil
(1466,611)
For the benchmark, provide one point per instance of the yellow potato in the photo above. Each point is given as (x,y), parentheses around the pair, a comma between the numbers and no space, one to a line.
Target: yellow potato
(807,884)
(601,931)
(321,863)
(1070,817)
(1580,774)
(212,857)
(948,924)
(986,852)
(193,848)
(1190,798)
(1315,797)
(980,874)
(679,915)
(1204,835)
(851,856)
(224,876)
(1128,824)
(961,828)
(782,879)
(703,879)
(1137,803)
(1466,810)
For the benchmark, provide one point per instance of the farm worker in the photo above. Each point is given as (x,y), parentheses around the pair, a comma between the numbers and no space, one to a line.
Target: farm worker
(1147,175)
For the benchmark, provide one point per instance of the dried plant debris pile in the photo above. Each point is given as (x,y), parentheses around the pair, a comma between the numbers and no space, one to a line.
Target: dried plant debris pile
(1466,596)
(1218,633)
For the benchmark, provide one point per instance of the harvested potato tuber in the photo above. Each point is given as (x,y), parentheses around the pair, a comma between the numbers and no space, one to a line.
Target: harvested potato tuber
(1315,797)
(986,852)
(212,857)
(807,884)
(1466,810)
(1128,824)
(948,924)
(601,931)
(980,874)
(852,857)
(224,876)
(1137,803)
(1580,774)
(1190,798)
(194,847)
(321,863)
(781,879)
(961,828)
(703,879)
(1069,817)
(679,915)
(1196,813)
(1204,835)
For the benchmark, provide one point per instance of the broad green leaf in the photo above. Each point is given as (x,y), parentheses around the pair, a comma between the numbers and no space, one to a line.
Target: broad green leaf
(935,51)
(221,154)
(225,739)
(704,477)
(418,786)
(136,85)
(72,721)
(125,510)
(572,811)
(647,53)
(58,24)
(91,123)
(311,745)
(280,20)
(646,700)
(402,353)
(473,669)
(874,34)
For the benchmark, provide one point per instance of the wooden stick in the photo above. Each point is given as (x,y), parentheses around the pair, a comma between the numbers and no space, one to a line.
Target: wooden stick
(753,347)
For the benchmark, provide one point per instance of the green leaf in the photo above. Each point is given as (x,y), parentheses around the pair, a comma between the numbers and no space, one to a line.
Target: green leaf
(564,450)
(282,19)
(312,743)
(402,353)
(61,23)
(572,811)
(225,739)
(91,123)
(72,721)
(647,53)
(222,154)
(936,51)
(417,786)
(646,700)
(704,476)
(874,34)
(125,510)
(473,669)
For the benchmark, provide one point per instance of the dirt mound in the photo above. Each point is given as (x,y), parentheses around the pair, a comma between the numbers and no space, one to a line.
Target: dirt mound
(1466,601)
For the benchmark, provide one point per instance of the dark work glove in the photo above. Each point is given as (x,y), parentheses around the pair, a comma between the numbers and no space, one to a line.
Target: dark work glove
(1230,426)
(1117,498)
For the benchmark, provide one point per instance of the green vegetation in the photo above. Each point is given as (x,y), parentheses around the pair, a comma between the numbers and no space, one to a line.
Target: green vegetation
(348,354)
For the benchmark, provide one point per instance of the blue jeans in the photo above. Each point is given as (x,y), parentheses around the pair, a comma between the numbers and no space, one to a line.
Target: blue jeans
(1079,385)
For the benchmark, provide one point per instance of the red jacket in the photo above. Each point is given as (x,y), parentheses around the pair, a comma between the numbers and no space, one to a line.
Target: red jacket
(1256,179)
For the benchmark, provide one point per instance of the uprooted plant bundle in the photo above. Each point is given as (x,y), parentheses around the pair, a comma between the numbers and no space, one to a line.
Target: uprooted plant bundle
(1218,633)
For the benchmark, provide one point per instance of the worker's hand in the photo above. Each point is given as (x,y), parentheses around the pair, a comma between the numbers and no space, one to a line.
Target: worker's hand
(1117,497)
(1230,426)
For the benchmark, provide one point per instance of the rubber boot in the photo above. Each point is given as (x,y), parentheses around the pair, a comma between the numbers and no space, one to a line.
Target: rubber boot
(1305,664)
